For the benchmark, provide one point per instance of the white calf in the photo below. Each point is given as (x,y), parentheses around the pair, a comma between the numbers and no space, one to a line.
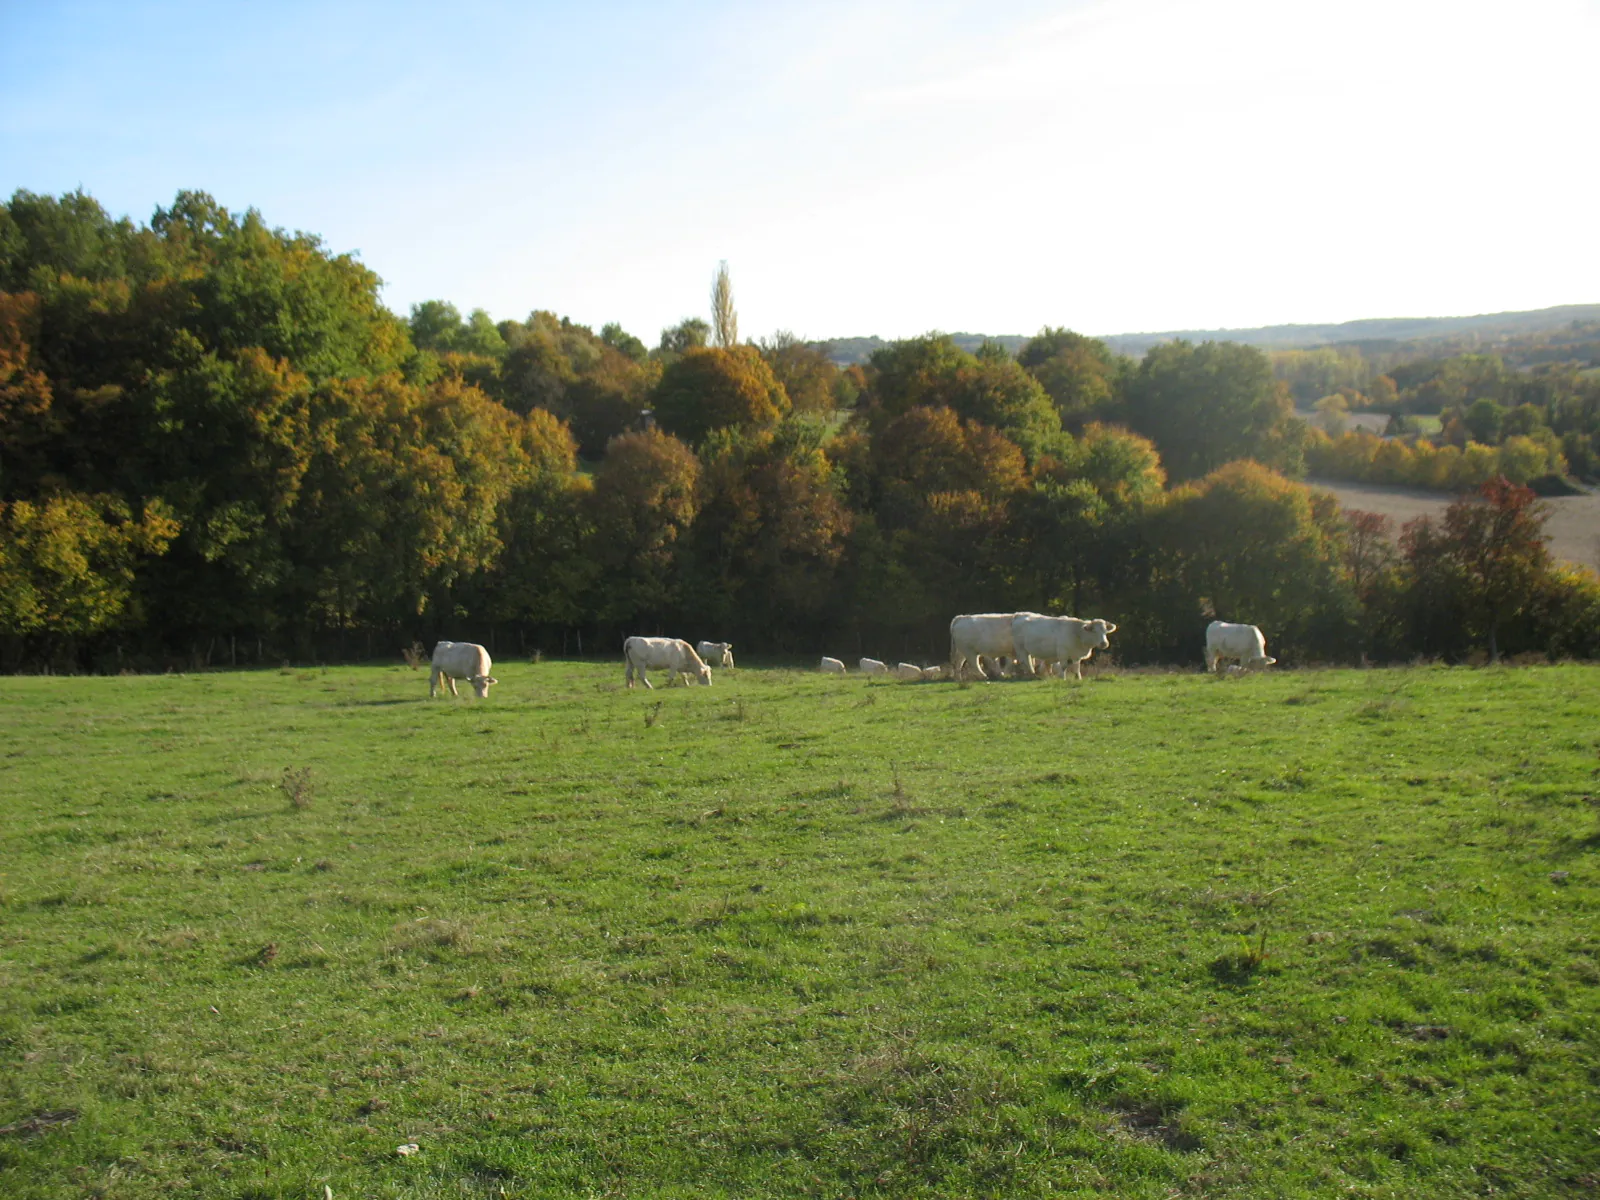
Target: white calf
(1241,642)
(871,666)
(907,672)
(831,666)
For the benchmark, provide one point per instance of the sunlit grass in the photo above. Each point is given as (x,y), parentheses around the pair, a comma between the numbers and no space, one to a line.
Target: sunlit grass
(1289,934)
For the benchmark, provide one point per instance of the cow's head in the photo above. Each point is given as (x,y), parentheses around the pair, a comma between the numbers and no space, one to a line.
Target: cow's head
(1264,661)
(480,685)
(1099,632)
(725,659)
(705,674)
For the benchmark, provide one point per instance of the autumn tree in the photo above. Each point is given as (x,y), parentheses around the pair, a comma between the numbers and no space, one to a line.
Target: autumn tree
(769,535)
(716,388)
(562,367)
(809,377)
(990,387)
(642,506)
(67,562)
(1485,557)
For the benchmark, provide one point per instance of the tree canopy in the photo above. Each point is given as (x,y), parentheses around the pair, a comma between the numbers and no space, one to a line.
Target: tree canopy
(213,433)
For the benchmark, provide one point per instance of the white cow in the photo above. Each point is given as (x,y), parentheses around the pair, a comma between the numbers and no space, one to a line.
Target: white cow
(936,672)
(831,666)
(1058,640)
(673,655)
(871,666)
(976,636)
(1241,642)
(461,660)
(718,653)
(907,672)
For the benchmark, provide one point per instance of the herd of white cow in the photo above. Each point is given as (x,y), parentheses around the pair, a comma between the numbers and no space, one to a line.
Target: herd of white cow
(1023,644)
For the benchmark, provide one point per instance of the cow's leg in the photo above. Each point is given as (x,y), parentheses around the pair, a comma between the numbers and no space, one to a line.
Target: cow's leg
(433,683)
(451,680)
(1077,669)
(1211,660)
(644,678)
(627,674)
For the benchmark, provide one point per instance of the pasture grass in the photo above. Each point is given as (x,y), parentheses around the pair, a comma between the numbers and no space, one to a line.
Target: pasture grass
(1150,935)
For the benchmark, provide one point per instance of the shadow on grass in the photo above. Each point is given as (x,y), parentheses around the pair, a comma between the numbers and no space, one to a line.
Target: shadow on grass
(236,815)
(1237,970)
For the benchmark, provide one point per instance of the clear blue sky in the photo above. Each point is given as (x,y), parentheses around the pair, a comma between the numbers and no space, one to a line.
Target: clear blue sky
(868,167)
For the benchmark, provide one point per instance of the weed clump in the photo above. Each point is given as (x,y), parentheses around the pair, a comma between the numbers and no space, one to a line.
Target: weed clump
(296,784)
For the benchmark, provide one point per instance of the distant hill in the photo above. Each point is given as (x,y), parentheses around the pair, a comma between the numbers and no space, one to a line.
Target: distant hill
(1488,326)
(848,351)
(1370,333)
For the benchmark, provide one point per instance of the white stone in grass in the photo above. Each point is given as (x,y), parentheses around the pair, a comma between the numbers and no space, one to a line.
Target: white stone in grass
(408,1149)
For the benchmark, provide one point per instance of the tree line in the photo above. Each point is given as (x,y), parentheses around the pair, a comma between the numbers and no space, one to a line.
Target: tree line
(217,445)
(1528,410)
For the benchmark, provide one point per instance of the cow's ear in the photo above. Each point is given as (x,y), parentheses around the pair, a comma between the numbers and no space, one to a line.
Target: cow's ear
(1110,628)
(488,679)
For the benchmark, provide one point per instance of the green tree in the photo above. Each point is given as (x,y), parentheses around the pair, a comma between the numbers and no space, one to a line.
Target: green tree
(619,339)
(691,333)
(1483,419)
(435,325)
(1207,405)
(1245,544)
(1080,374)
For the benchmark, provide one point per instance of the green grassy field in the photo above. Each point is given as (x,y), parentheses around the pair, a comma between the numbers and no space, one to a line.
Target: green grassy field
(1299,934)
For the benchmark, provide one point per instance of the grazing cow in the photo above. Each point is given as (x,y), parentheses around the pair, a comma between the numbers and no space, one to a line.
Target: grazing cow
(871,666)
(461,660)
(1058,640)
(716,653)
(672,655)
(832,666)
(976,636)
(1241,642)
(907,672)
(936,672)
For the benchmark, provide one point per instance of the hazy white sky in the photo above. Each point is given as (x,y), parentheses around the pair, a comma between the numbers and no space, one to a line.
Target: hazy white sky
(875,166)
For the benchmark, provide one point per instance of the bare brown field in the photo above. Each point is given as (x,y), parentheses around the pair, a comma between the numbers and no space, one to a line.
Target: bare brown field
(1573,527)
